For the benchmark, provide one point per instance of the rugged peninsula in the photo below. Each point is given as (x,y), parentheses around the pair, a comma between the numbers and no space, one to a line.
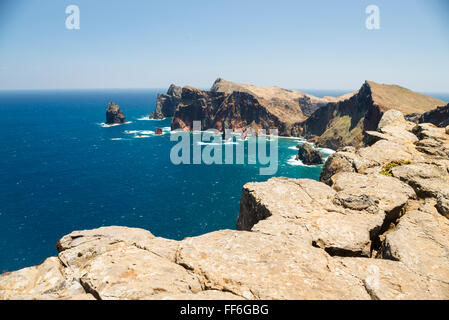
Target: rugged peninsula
(374,227)
(330,122)
(230,105)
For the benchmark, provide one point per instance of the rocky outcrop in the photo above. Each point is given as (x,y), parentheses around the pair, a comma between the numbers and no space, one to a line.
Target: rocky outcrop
(438,117)
(230,105)
(344,123)
(308,155)
(114,114)
(166,104)
(197,105)
(375,227)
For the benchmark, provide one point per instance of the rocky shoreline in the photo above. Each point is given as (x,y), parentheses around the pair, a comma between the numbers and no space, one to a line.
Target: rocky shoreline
(329,122)
(374,227)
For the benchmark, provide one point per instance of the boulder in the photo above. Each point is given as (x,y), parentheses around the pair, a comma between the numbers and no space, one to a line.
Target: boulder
(391,117)
(308,155)
(158,131)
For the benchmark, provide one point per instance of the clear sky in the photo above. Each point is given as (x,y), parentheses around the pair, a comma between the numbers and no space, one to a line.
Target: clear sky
(292,44)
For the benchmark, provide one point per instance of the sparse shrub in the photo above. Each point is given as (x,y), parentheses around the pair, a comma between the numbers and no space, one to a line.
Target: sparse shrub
(388,168)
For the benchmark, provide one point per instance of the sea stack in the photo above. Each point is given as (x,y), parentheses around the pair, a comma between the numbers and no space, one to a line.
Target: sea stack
(308,155)
(114,114)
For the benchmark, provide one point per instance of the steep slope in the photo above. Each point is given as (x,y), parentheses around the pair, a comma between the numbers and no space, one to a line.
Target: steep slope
(344,123)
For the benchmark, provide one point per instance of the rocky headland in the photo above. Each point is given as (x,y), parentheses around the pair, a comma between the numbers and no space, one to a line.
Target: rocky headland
(230,105)
(330,122)
(114,115)
(344,123)
(374,227)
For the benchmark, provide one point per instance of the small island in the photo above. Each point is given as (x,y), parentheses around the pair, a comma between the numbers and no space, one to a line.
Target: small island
(114,114)
(308,154)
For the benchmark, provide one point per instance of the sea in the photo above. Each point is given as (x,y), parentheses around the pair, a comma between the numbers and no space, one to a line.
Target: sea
(62,169)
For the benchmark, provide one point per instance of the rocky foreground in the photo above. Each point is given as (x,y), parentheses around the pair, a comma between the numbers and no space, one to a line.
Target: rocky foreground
(375,227)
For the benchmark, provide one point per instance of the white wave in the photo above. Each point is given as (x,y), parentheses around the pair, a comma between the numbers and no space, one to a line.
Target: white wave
(147,118)
(293,162)
(141,136)
(289,138)
(167,129)
(104,125)
(326,151)
(132,131)
(293,148)
(146,132)
(117,139)
(201,143)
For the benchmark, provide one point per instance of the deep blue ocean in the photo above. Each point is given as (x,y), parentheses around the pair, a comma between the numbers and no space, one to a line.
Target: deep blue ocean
(62,170)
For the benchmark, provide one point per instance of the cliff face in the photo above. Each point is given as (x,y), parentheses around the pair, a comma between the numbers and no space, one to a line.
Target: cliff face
(344,123)
(114,114)
(375,228)
(197,105)
(166,104)
(438,116)
(230,105)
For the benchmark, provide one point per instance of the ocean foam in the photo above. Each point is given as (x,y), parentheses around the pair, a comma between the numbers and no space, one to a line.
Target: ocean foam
(146,132)
(293,162)
(326,151)
(104,125)
(201,143)
(147,118)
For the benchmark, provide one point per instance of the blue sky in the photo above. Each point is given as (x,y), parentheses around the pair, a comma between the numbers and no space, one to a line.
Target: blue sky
(292,44)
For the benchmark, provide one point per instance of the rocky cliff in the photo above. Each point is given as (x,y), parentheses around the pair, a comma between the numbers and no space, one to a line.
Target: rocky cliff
(438,116)
(344,123)
(230,105)
(375,228)
(166,104)
(114,114)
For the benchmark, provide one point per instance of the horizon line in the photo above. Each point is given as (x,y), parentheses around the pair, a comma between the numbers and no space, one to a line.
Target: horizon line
(201,88)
